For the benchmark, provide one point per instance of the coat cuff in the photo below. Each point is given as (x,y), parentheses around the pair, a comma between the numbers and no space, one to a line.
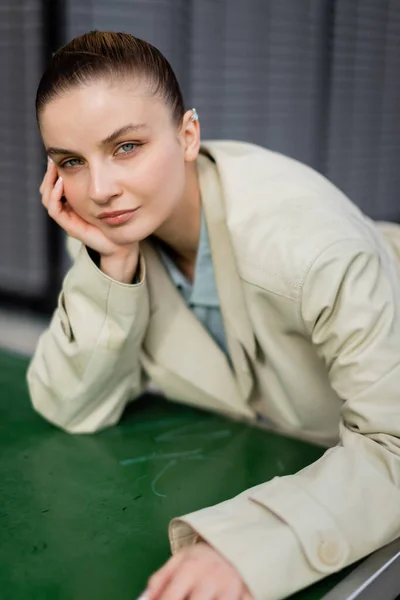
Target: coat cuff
(100,288)
(268,532)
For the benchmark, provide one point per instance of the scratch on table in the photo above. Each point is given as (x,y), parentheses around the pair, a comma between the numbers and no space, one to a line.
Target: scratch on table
(149,425)
(140,478)
(170,464)
(186,432)
(159,456)
(209,457)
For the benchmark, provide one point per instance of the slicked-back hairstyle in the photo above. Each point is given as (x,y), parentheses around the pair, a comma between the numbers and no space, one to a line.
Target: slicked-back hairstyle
(111,55)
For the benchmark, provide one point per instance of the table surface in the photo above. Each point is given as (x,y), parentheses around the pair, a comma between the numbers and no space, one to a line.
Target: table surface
(85,517)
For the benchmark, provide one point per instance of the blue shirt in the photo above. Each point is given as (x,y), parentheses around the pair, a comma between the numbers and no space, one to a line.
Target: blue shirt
(201,296)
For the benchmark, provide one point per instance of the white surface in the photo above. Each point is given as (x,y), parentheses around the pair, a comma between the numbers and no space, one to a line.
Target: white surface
(20,331)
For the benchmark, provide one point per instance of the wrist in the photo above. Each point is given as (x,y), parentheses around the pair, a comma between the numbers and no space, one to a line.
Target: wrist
(121,268)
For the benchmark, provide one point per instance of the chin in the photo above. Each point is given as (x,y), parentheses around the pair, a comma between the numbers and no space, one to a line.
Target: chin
(130,233)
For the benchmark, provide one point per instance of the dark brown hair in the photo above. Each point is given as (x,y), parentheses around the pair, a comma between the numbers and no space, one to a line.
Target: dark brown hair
(98,54)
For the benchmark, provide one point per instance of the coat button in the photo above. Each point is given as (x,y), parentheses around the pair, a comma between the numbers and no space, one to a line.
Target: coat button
(330,552)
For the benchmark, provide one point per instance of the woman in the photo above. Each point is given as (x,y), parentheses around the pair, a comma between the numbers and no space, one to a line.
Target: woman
(234,279)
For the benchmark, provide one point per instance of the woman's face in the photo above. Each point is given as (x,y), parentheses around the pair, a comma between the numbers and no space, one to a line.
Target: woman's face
(117,149)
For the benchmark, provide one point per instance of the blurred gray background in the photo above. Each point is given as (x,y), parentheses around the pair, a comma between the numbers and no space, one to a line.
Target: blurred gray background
(315,79)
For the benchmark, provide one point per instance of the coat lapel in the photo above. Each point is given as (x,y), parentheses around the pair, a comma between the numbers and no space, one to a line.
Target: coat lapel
(178,353)
(238,327)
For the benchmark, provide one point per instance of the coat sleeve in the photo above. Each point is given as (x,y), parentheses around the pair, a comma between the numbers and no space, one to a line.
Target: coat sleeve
(292,531)
(86,364)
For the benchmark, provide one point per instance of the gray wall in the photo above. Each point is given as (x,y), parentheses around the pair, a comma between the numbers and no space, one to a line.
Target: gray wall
(23,256)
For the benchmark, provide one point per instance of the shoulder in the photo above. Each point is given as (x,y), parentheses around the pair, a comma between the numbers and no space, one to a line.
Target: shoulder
(281,215)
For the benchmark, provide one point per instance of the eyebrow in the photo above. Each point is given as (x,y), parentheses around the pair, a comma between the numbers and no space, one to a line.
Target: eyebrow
(130,128)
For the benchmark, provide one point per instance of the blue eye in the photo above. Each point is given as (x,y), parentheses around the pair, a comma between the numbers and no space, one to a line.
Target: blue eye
(126,148)
(72,162)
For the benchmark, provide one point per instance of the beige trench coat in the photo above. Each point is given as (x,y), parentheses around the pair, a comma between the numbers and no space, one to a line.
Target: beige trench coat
(310,297)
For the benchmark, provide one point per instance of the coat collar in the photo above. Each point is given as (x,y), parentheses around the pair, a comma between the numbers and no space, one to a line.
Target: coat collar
(177,342)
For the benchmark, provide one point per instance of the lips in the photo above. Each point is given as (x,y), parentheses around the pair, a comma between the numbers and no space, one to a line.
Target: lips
(117,217)
(116,213)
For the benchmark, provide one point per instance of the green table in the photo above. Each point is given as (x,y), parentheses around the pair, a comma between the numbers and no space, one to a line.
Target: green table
(85,517)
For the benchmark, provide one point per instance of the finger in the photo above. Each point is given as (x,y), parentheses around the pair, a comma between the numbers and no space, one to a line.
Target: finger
(48,183)
(42,185)
(45,177)
(209,590)
(246,595)
(182,584)
(160,579)
(217,584)
(232,591)
(55,206)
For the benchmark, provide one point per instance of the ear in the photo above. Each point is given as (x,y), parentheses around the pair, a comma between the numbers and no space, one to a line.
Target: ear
(190,135)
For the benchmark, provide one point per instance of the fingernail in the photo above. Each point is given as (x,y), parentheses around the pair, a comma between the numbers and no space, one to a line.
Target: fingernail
(143,597)
(59,181)
(49,160)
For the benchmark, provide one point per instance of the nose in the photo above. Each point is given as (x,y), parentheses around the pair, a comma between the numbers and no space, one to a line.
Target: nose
(103,187)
